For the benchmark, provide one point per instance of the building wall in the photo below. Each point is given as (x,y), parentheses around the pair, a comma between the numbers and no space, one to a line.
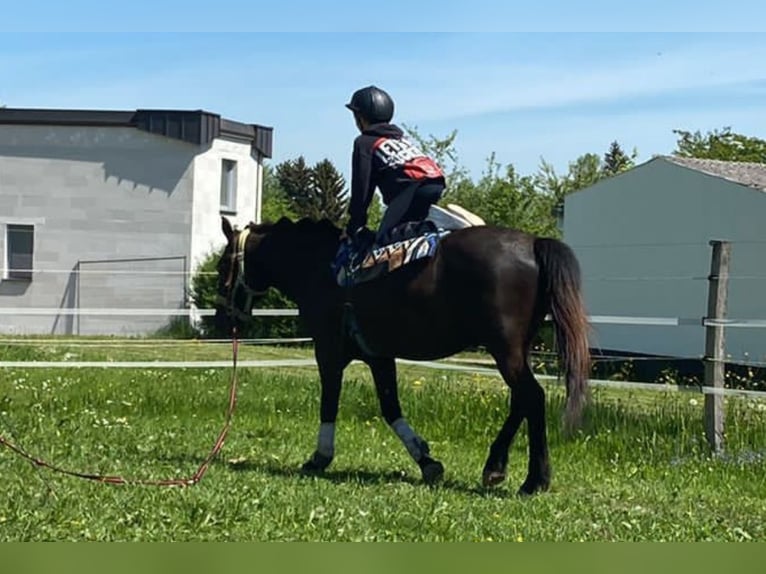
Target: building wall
(206,221)
(642,239)
(96,193)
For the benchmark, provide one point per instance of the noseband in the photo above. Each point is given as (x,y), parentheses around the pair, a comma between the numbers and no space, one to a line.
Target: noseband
(235,285)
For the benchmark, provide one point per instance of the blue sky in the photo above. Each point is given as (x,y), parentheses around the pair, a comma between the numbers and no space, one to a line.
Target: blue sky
(542,88)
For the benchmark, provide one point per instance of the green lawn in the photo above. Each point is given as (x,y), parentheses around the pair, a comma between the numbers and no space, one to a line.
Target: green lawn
(638,471)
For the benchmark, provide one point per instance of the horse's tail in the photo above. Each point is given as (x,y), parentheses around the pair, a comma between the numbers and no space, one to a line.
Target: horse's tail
(560,285)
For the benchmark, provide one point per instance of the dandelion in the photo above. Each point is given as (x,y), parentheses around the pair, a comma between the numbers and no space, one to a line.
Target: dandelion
(693,402)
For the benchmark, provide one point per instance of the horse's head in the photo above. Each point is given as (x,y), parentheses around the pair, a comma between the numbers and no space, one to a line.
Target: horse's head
(284,255)
(238,283)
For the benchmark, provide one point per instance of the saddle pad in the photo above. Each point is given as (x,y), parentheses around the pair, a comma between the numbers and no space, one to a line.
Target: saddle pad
(354,269)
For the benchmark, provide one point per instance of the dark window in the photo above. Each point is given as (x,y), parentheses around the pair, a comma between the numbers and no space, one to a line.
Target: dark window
(20,240)
(229,186)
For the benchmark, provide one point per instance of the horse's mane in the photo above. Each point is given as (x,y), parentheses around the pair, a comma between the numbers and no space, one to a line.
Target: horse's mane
(306,226)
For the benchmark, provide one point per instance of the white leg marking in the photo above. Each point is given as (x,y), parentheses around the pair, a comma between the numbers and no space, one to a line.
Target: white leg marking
(415,445)
(326,440)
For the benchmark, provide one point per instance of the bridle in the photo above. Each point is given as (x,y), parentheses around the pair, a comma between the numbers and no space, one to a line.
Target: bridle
(235,284)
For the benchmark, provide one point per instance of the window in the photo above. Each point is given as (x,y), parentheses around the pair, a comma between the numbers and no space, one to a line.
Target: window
(229,186)
(20,241)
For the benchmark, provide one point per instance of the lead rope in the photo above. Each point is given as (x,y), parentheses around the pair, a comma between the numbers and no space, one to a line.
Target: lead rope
(190,481)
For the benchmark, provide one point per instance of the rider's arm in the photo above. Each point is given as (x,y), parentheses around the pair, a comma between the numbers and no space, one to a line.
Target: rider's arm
(361,184)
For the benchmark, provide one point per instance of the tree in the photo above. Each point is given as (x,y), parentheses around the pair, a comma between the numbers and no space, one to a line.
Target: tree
(503,197)
(329,191)
(582,172)
(315,192)
(720,144)
(294,177)
(444,153)
(275,202)
(616,160)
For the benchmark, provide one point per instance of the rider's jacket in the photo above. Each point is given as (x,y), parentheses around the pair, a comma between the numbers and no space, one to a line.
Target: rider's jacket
(385,159)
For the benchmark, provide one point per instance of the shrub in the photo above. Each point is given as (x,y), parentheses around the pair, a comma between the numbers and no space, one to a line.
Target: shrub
(204,293)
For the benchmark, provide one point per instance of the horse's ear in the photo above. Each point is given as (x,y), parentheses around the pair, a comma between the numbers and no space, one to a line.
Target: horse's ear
(226,228)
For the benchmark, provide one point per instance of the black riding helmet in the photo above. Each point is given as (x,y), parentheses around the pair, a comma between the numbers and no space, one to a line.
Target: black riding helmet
(373,104)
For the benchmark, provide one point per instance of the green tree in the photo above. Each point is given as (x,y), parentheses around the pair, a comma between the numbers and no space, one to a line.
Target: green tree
(315,192)
(295,179)
(375,211)
(275,202)
(720,144)
(443,152)
(503,197)
(329,191)
(583,172)
(616,160)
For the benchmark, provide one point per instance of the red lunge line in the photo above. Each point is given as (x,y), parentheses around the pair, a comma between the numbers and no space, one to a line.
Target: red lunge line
(106,479)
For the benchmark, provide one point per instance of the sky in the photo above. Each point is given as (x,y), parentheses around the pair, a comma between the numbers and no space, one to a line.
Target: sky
(524,82)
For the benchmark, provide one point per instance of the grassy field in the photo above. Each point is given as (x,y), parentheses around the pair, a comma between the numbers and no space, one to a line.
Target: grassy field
(638,471)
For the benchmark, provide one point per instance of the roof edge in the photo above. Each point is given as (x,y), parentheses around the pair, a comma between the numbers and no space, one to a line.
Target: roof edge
(753,177)
(198,127)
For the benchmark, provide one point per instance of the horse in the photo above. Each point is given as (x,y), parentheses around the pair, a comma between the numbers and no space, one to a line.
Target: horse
(484,286)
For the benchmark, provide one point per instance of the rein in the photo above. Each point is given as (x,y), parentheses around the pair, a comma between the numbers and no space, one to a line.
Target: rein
(110,479)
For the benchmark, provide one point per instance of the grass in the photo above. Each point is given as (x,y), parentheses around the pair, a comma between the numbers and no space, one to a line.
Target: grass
(639,470)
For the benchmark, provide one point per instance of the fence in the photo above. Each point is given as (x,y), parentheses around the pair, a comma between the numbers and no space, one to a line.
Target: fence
(715,322)
(94,284)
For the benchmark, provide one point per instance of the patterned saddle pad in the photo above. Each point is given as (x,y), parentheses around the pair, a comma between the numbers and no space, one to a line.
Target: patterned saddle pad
(353,268)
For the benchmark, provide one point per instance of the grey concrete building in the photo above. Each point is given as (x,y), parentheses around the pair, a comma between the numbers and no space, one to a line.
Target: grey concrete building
(642,239)
(113,209)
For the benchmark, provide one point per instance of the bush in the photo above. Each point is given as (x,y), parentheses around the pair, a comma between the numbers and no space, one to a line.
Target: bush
(204,293)
(177,328)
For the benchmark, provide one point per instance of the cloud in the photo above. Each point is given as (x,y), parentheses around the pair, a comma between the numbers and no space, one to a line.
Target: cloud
(521,96)
(489,88)
(523,140)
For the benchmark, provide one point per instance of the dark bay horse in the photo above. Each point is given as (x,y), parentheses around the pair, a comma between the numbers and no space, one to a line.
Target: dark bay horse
(485,286)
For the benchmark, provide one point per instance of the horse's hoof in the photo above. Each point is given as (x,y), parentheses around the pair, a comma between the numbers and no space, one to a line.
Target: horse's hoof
(530,488)
(316,464)
(492,478)
(433,470)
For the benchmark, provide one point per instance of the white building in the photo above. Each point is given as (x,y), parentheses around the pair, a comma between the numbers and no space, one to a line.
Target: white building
(113,209)
(642,239)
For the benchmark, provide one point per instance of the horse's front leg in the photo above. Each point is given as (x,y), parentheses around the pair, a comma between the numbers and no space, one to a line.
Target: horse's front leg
(331,375)
(384,374)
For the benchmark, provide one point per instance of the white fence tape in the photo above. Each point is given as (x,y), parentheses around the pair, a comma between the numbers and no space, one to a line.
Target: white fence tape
(47,311)
(149,312)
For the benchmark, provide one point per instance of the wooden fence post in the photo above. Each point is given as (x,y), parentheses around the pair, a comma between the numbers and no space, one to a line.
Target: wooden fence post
(715,344)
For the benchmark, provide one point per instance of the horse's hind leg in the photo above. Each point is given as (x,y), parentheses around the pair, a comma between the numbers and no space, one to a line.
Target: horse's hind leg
(538,472)
(384,374)
(527,401)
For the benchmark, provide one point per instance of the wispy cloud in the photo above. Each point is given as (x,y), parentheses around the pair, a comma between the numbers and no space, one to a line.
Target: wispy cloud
(484,89)
(560,139)
(523,97)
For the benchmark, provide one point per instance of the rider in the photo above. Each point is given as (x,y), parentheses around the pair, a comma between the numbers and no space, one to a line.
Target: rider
(409,181)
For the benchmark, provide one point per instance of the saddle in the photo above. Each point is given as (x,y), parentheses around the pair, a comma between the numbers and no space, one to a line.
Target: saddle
(363,260)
